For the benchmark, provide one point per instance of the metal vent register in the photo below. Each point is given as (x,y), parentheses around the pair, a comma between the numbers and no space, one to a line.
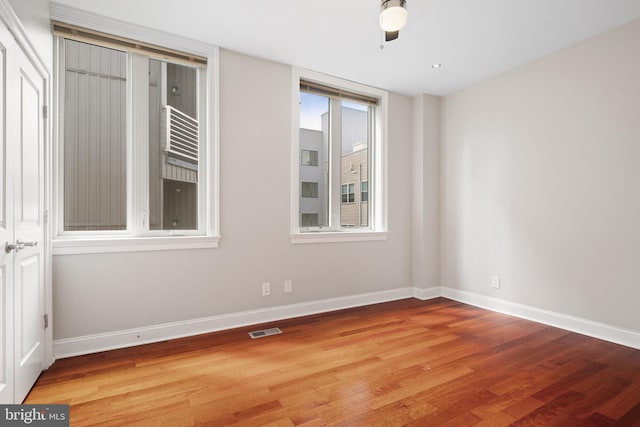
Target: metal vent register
(265,333)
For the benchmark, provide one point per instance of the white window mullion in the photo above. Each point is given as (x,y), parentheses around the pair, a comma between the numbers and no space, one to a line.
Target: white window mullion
(335,153)
(59,99)
(296,223)
(139,144)
(204,164)
(373,172)
(378,192)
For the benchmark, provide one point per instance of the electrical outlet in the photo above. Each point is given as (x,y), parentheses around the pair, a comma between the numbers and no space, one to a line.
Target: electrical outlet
(495,282)
(288,286)
(266,289)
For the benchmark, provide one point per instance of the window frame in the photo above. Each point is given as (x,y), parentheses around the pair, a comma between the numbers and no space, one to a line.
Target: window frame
(137,236)
(377,229)
(311,165)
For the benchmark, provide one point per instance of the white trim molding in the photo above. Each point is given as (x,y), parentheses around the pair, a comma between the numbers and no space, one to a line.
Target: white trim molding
(593,329)
(11,20)
(132,244)
(131,337)
(76,346)
(338,236)
(427,293)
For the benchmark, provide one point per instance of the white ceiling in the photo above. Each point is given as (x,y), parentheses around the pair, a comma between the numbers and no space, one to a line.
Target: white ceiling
(473,39)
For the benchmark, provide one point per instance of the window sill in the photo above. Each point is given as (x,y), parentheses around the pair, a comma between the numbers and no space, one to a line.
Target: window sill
(132,244)
(338,236)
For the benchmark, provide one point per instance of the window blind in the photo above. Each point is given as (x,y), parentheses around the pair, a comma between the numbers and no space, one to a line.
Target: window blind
(333,92)
(85,35)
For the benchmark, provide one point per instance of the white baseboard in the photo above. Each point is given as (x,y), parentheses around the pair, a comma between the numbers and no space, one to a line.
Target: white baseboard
(131,337)
(598,330)
(427,293)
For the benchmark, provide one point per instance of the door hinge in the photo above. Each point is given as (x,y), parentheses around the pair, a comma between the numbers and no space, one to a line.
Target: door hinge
(45,111)
(45,216)
(46,321)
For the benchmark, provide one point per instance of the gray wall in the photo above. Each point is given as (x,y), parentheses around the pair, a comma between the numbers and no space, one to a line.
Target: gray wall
(539,184)
(540,171)
(111,292)
(425,192)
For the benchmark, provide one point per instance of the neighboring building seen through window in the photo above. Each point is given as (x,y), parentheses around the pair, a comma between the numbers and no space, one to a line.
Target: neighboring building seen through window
(339,132)
(95,140)
(173,146)
(102,187)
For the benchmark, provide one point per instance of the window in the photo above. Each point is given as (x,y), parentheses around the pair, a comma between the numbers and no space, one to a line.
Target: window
(133,139)
(309,220)
(309,189)
(309,158)
(340,127)
(348,193)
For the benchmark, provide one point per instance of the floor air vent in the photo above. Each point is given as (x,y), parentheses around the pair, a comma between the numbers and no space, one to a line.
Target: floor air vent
(264,333)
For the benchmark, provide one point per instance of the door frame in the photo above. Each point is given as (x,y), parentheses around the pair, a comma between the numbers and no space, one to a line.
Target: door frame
(17,30)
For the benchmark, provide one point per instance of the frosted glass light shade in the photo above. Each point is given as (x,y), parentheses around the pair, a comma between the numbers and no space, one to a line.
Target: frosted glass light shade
(393,15)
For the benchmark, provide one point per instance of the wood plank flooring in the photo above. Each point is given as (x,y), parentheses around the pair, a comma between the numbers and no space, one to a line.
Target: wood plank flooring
(409,362)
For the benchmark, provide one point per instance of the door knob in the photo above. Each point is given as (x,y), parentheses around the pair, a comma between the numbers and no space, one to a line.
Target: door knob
(18,246)
(8,247)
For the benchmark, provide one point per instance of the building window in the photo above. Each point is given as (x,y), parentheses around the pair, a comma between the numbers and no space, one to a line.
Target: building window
(348,193)
(309,189)
(309,158)
(133,138)
(309,220)
(343,123)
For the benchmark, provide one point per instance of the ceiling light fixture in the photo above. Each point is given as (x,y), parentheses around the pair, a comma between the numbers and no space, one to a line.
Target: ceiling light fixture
(393,16)
(436,65)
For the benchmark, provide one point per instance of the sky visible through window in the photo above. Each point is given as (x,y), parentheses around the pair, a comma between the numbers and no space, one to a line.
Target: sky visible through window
(312,107)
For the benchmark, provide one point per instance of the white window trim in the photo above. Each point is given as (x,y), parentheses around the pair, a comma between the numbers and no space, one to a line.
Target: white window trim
(119,241)
(379,210)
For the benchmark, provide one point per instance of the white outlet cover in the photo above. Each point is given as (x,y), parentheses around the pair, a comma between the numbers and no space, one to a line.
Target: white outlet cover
(495,282)
(288,286)
(266,289)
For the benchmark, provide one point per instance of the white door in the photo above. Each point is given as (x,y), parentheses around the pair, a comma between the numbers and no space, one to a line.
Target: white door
(28,227)
(23,258)
(6,235)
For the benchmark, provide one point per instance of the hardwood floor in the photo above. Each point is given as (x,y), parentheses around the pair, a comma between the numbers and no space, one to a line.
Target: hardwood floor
(409,362)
